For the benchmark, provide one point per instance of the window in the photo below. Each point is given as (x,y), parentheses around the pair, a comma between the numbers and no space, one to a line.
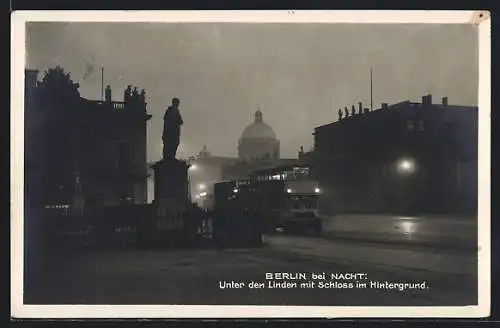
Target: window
(409,125)
(122,159)
(421,125)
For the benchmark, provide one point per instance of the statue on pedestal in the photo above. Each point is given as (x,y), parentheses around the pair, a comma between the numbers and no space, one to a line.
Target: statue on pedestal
(172,122)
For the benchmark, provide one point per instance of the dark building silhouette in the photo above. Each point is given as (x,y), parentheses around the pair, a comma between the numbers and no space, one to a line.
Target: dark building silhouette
(82,153)
(30,82)
(402,158)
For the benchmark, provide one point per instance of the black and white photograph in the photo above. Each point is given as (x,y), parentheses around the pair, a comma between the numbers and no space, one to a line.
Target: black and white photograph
(274,167)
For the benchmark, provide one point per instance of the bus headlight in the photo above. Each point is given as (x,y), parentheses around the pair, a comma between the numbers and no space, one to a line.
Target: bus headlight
(317,190)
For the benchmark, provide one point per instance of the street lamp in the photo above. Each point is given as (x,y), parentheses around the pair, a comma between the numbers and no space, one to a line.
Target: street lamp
(406,166)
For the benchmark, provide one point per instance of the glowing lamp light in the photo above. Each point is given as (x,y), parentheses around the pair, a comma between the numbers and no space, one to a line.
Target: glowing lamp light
(406,166)
(289,190)
(203,194)
(193,167)
(317,190)
(201,186)
(235,190)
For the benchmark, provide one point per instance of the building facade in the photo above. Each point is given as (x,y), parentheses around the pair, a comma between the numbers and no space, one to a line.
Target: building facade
(206,170)
(258,141)
(82,153)
(403,158)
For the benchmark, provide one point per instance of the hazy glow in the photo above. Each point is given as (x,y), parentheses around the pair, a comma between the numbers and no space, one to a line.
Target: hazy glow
(317,190)
(235,190)
(407,227)
(406,166)
(201,186)
(193,167)
(289,191)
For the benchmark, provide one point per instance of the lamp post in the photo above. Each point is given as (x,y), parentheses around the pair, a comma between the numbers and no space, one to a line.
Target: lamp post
(406,168)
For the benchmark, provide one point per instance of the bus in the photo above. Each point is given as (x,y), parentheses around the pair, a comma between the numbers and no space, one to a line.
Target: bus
(287,197)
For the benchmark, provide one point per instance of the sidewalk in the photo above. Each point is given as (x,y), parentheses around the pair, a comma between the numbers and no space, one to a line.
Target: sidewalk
(443,232)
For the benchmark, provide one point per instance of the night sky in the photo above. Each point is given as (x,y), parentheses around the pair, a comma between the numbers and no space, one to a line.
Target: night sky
(299,75)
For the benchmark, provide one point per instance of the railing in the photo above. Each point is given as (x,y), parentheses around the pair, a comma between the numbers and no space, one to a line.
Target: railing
(116,105)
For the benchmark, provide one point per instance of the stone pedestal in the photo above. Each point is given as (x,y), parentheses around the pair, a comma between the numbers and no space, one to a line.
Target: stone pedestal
(171,180)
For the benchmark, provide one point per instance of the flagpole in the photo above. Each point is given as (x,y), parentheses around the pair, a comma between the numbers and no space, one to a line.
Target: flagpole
(371,90)
(102,83)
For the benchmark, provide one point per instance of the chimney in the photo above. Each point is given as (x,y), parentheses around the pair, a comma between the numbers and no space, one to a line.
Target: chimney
(444,101)
(427,100)
(384,105)
(31,77)
(107,94)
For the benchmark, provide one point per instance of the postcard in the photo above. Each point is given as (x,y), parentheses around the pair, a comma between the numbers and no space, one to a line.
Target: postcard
(260,164)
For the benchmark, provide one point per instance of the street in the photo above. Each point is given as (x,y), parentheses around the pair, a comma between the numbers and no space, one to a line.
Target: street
(195,277)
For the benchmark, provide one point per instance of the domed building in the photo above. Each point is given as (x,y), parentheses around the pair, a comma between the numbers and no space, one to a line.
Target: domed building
(258,141)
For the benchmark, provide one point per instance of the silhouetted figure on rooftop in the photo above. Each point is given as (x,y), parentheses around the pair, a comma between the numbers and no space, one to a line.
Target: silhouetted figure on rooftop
(107,94)
(340,114)
(142,97)
(127,94)
(346,111)
(172,122)
(135,95)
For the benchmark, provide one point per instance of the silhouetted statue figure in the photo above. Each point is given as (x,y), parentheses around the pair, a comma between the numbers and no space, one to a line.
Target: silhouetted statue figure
(346,111)
(172,122)
(135,95)
(340,114)
(127,94)
(360,108)
(353,110)
(107,94)
(142,97)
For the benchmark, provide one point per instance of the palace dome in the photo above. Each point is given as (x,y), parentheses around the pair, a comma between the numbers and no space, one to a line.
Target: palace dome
(258,130)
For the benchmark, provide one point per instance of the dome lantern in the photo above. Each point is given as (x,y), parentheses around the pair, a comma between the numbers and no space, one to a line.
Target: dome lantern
(258,129)
(258,116)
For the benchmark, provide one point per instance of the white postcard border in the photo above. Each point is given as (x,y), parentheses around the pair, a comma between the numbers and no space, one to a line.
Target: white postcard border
(19,19)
